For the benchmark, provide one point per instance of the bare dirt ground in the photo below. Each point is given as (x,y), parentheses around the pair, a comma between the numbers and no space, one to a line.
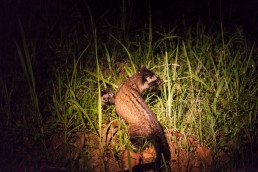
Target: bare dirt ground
(84,154)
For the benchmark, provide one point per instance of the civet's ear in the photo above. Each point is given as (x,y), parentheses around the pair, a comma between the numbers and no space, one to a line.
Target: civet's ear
(146,72)
(143,67)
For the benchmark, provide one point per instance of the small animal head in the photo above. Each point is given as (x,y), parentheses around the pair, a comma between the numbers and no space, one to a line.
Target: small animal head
(148,79)
(107,97)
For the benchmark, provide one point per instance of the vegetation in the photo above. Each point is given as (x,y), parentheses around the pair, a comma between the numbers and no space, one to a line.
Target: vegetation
(208,101)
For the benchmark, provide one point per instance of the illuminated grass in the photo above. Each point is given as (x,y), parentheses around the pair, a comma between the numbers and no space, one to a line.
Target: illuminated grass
(209,94)
(209,87)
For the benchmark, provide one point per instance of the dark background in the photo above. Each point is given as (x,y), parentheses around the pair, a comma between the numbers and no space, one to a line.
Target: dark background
(43,19)
(38,14)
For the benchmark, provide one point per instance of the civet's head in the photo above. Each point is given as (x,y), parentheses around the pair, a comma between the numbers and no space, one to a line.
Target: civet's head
(148,79)
(107,97)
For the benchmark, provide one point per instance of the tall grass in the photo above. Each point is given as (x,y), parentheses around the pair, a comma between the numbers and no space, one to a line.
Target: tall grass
(209,92)
(26,54)
(209,88)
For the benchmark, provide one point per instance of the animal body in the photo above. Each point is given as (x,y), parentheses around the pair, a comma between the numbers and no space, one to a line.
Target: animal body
(141,121)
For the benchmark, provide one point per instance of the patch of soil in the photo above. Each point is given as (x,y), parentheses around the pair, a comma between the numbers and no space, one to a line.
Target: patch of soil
(83,152)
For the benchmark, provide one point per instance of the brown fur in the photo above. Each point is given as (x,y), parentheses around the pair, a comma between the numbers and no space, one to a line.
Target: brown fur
(140,119)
